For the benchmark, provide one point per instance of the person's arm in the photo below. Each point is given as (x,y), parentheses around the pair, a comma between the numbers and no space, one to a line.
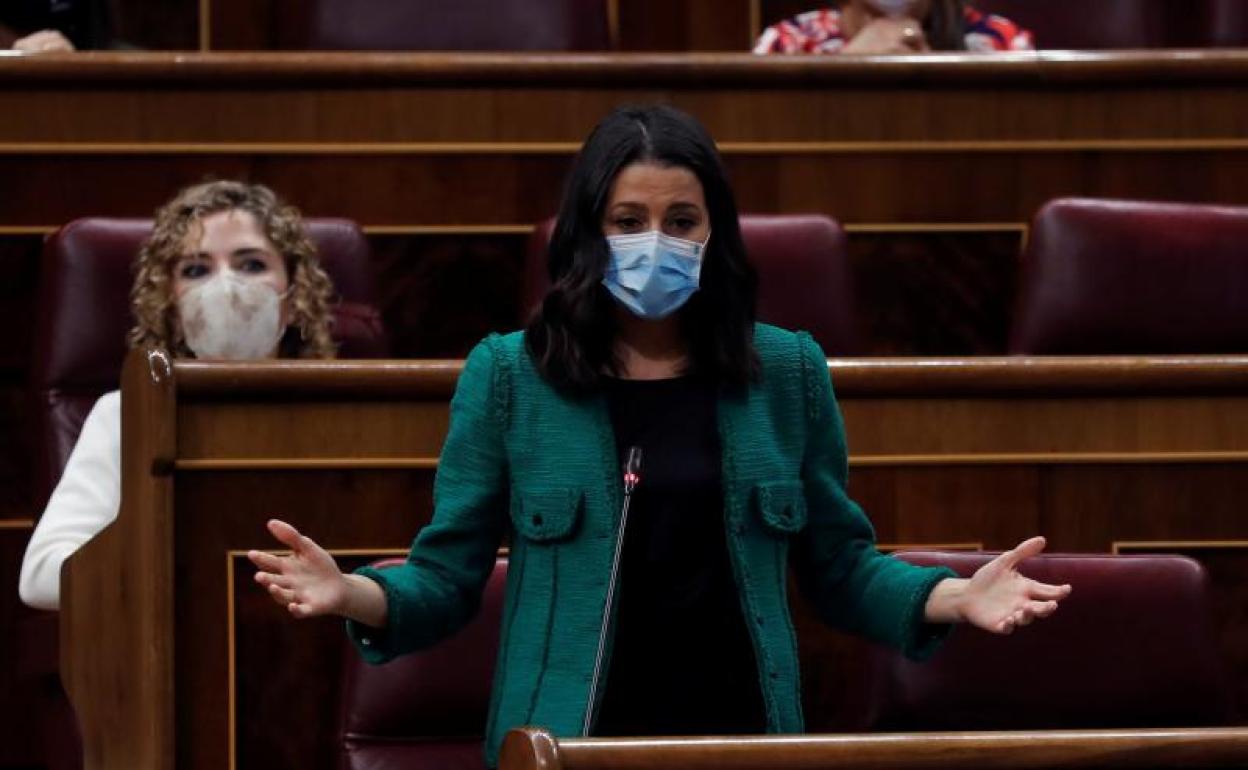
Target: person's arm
(858,588)
(84,502)
(854,586)
(398,609)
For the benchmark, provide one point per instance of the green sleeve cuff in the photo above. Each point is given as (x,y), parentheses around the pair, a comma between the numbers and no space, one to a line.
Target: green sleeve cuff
(922,638)
(375,645)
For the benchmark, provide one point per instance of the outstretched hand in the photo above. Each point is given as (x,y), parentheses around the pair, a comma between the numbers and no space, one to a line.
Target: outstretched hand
(307,582)
(999,599)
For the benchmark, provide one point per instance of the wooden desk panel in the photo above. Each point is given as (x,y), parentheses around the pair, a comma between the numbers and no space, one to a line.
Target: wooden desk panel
(951,139)
(346,451)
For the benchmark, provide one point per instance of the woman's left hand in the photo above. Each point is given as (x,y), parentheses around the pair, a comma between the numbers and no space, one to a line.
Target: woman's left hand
(997,598)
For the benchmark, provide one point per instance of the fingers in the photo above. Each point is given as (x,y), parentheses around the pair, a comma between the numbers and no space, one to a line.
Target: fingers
(265,561)
(1025,615)
(272,579)
(1023,551)
(1047,591)
(282,595)
(286,535)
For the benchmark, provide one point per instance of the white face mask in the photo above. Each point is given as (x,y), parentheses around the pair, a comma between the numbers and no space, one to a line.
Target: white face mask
(893,7)
(231,317)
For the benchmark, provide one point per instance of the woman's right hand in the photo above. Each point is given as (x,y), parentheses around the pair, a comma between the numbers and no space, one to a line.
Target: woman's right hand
(889,35)
(307,582)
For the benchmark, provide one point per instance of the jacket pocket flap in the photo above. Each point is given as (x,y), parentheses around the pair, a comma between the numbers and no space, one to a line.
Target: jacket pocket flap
(547,513)
(781,505)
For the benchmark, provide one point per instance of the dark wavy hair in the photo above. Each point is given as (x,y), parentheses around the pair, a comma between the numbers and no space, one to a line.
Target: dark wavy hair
(945,26)
(572,333)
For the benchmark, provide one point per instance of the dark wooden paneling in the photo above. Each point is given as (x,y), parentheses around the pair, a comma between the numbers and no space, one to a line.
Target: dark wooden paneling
(22,697)
(285,716)
(170,25)
(684,25)
(468,190)
(242,25)
(935,293)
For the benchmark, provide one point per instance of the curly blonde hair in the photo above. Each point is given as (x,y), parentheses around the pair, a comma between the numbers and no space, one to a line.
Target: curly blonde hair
(151,298)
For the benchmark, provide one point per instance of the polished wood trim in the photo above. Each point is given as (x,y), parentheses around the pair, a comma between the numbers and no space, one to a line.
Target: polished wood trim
(231,657)
(853,228)
(874,228)
(1047,458)
(1041,376)
(535,748)
(934,377)
(893,547)
(289,148)
(778,148)
(1151,546)
(613,24)
(17,523)
(416,379)
(691,69)
(307,464)
(464,229)
(756,22)
(205,25)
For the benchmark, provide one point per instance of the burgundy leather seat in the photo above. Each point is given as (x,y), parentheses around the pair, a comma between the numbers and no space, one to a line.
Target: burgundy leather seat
(426,710)
(445,25)
(803,271)
(1109,276)
(1130,647)
(83,318)
(1103,24)
(1227,23)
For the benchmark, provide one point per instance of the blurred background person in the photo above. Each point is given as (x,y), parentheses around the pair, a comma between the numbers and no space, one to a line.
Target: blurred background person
(894,27)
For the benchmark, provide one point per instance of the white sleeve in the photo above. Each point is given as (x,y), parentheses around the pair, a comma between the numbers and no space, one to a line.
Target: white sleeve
(84,502)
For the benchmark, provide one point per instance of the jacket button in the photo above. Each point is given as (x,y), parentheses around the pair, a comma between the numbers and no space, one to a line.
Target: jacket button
(537,520)
(758,619)
(774,674)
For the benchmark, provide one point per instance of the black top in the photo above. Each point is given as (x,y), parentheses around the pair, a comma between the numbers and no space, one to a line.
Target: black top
(682,662)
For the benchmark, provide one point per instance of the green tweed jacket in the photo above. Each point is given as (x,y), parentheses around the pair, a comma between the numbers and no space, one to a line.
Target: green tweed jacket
(525,459)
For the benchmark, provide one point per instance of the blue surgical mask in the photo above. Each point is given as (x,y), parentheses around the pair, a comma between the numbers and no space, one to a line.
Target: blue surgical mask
(653,274)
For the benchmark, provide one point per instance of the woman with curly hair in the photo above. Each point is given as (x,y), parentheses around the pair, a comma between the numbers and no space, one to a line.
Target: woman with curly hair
(227,273)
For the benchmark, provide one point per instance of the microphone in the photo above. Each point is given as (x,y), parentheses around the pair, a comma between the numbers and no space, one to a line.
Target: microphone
(632,470)
(632,477)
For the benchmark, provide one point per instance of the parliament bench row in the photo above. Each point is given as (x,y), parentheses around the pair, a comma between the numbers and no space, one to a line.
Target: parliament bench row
(602,25)
(1098,277)
(1130,649)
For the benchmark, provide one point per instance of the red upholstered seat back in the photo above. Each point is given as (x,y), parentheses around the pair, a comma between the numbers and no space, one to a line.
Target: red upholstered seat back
(426,710)
(1100,24)
(1130,647)
(445,25)
(1227,23)
(803,271)
(1107,276)
(84,316)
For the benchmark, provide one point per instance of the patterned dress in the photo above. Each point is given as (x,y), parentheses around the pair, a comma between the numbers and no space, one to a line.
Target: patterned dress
(822,31)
